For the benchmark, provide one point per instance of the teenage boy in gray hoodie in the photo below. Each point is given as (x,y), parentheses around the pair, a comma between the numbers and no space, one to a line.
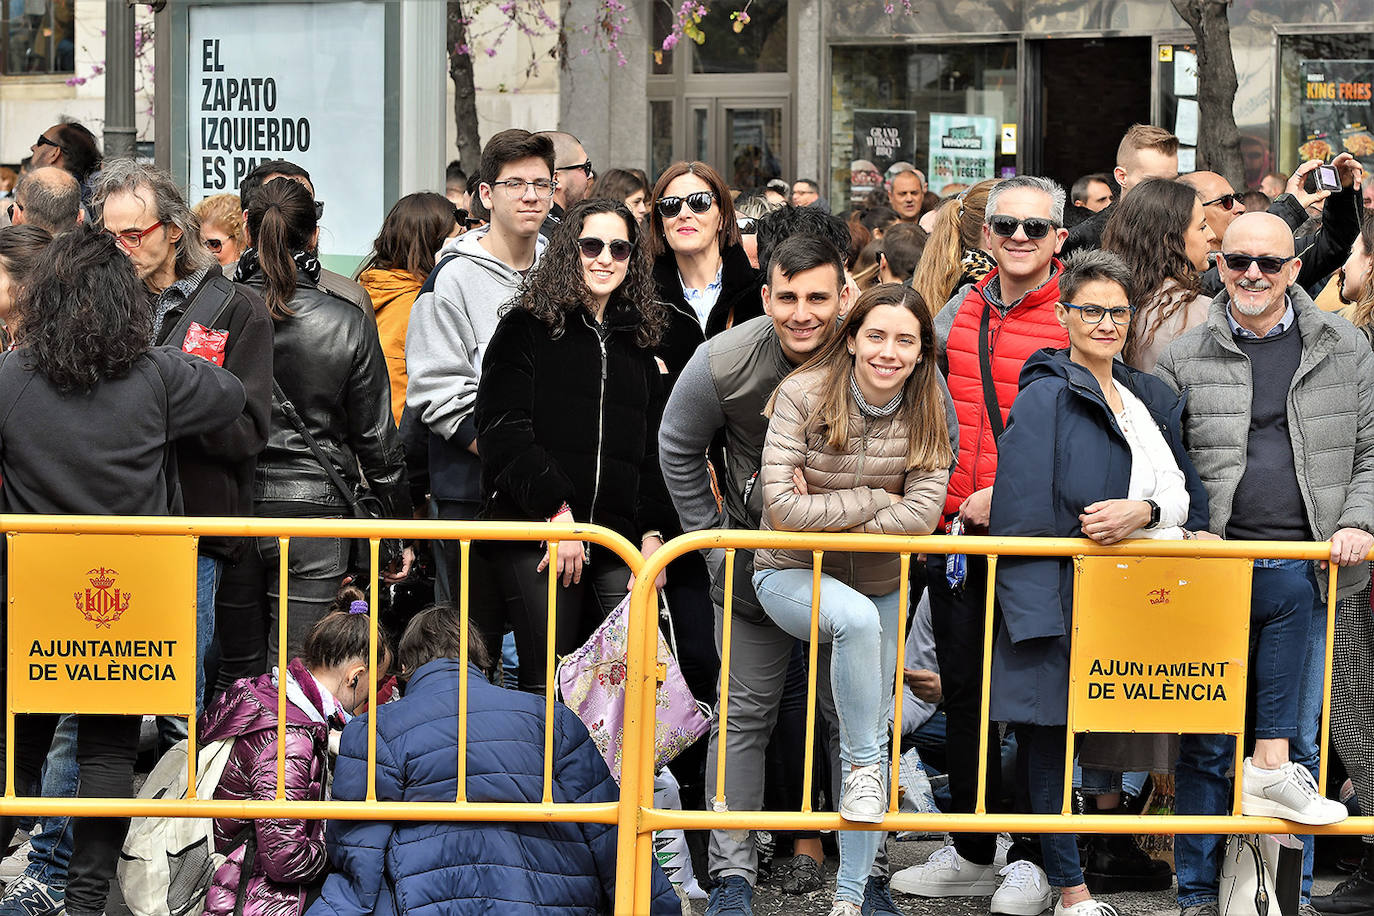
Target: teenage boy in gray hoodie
(455,315)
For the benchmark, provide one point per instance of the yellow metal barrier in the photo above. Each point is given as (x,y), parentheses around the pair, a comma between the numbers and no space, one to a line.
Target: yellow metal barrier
(636,832)
(634,813)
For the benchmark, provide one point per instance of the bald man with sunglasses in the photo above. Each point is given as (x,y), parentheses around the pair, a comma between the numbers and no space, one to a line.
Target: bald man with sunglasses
(1322,252)
(1280,425)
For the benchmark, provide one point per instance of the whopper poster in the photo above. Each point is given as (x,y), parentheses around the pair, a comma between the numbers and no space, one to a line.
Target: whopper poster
(298,81)
(962,149)
(1337,110)
(882,139)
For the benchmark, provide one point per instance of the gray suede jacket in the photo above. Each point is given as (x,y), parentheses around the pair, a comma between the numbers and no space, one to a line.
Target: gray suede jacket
(1330,417)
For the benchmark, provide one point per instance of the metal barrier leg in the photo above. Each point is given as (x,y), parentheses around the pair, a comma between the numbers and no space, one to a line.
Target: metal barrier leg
(1324,728)
(464,583)
(549,684)
(899,693)
(283,579)
(373,547)
(809,762)
(980,803)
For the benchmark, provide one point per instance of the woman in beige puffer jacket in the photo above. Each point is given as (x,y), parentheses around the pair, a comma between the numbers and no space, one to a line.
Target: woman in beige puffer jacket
(857,441)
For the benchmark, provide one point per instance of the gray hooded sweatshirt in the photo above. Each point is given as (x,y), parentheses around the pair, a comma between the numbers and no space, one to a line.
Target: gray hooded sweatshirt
(450,324)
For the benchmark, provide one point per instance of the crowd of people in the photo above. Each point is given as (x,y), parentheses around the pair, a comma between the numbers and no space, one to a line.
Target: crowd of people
(1156,355)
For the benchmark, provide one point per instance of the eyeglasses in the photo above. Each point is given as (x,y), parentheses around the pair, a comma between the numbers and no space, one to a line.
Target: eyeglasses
(213,244)
(1228,201)
(699,201)
(747,225)
(584,167)
(1093,314)
(592,248)
(474,222)
(516,187)
(132,238)
(1035,227)
(44,141)
(1268,263)
(9,211)
(319,210)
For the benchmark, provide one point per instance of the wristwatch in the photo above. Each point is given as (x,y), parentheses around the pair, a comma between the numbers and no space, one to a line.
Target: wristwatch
(1154,515)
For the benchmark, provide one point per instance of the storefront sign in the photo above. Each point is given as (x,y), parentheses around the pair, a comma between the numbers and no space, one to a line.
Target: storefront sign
(961,150)
(298,81)
(1337,109)
(884,144)
(102,623)
(1160,645)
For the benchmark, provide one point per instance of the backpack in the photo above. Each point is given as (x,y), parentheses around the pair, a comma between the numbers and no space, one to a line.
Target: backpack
(168,862)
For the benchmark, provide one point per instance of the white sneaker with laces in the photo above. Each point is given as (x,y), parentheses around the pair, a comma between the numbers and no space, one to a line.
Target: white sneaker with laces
(945,874)
(862,798)
(845,908)
(1289,792)
(1024,891)
(1085,908)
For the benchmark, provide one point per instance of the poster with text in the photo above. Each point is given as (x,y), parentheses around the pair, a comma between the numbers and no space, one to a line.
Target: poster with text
(962,148)
(884,144)
(1337,110)
(295,81)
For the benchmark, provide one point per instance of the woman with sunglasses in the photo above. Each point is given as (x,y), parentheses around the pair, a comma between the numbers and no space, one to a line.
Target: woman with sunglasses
(1160,231)
(700,268)
(221,227)
(401,259)
(567,426)
(1099,454)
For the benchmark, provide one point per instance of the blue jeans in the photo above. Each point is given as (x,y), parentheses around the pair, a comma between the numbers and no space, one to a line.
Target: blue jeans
(1281,599)
(859,628)
(1045,745)
(172,729)
(51,850)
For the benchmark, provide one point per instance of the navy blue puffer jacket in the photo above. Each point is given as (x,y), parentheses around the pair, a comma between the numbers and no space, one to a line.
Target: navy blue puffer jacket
(466,867)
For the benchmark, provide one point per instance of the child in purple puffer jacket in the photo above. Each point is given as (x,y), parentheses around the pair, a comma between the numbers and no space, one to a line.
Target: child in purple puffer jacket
(324,689)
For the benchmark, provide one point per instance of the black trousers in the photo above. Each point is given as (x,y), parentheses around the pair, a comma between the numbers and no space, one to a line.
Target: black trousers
(249,601)
(106,747)
(486,610)
(509,580)
(957,619)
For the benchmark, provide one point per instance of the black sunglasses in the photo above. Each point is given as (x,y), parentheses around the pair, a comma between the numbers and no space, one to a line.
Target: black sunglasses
(10,209)
(1268,263)
(1228,201)
(699,201)
(592,248)
(319,210)
(44,141)
(213,244)
(1035,227)
(585,167)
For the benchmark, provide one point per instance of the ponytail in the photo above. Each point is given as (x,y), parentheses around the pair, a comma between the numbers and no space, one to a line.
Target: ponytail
(281,218)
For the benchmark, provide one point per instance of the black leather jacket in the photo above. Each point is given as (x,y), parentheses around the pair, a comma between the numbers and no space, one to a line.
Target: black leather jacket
(328,361)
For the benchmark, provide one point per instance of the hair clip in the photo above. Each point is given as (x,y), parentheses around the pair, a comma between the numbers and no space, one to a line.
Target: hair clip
(358,607)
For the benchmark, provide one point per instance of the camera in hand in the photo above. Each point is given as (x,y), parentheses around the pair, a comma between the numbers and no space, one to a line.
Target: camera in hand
(1322,178)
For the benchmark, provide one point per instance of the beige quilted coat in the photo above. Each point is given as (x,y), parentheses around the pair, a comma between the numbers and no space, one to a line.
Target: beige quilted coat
(847,490)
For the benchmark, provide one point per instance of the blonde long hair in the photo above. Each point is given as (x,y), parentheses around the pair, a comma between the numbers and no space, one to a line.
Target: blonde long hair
(1362,312)
(958,228)
(923,407)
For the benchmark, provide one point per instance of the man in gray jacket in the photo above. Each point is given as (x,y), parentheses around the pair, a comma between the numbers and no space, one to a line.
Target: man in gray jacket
(455,315)
(1280,426)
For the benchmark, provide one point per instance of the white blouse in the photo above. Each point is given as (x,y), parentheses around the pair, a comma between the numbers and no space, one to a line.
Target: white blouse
(1154,472)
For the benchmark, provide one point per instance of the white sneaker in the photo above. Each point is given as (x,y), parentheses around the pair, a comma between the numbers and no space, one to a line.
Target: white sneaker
(1024,891)
(1003,847)
(945,874)
(1085,908)
(862,798)
(845,908)
(1289,792)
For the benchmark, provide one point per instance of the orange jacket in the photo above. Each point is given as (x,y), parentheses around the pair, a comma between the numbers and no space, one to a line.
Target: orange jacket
(393,292)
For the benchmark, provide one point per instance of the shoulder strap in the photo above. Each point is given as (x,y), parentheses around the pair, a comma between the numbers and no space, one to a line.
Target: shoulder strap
(10,393)
(205,308)
(428,286)
(324,461)
(985,366)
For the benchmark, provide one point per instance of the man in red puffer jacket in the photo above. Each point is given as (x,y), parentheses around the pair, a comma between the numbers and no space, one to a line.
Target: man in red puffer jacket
(1003,320)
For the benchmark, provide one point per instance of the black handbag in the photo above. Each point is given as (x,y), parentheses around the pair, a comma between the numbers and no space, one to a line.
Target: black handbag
(362,502)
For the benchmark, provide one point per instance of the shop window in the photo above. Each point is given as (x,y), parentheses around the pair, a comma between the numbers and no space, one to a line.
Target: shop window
(885,100)
(1325,105)
(38,36)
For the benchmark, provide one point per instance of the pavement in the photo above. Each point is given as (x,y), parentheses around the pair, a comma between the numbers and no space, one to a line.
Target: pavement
(770,901)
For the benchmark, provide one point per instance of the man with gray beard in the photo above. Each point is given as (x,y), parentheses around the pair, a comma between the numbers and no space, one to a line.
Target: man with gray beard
(1279,423)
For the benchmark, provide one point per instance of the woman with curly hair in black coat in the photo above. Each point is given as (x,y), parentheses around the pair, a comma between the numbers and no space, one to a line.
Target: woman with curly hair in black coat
(567,426)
